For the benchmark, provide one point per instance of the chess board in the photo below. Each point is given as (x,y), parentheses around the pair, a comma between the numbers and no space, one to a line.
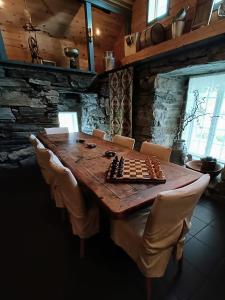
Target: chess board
(143,171)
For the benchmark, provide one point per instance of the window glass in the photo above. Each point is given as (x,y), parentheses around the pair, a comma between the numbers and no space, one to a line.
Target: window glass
(157,9)
(69,119)
(205,136)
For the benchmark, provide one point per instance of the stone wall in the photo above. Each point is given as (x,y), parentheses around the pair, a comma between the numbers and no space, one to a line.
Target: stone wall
(169,98)
(30,99)
(160,87)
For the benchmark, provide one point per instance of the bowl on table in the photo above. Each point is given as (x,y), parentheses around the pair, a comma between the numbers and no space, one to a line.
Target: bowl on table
(196,165)
(80,141)
(91,145)
(110,153)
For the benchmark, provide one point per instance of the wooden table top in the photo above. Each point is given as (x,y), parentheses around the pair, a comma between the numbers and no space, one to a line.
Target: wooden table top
(89,166)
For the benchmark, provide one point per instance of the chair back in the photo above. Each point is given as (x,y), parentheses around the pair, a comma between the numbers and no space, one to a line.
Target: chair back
(33,140)
(99,133)
(56,130)
(123,141)
(67,189)
(43,156)
(163,153)
(166,225)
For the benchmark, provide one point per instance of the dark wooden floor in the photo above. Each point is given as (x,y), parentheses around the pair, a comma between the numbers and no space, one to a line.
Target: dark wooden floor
(40,257)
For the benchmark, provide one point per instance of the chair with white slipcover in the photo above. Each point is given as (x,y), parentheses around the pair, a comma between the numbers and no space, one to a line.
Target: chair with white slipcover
(161,152)
(83,214)
(56,130)
(99,133)
(43,156)
(151,236)
(34,141)
(123,141)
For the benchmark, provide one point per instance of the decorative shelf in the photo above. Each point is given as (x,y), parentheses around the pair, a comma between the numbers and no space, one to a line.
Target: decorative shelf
(14,64)
(199,35)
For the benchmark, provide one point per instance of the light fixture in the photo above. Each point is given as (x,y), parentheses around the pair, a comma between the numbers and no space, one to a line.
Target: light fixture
(97,32)
(91,36)
(2,3)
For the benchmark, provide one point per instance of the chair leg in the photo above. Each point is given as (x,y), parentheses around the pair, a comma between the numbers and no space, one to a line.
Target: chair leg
(148,288)
(63,213)
(180,265)
(82,248)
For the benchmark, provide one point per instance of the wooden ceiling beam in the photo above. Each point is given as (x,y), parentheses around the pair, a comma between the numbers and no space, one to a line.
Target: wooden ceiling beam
(127,4)
(106,6)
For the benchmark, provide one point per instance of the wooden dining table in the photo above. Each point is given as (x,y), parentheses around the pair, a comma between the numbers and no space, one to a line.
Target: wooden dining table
(89,166)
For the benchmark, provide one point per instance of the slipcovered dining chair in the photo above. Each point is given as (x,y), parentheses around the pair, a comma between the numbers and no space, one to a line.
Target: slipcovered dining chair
(150,236)
(83,214)
(34,141)
(123,141)
(99,133)
(56,130)
(163,153)
(43,157)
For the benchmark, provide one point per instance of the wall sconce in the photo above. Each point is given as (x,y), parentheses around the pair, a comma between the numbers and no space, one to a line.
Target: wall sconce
(91,36)
(2,3)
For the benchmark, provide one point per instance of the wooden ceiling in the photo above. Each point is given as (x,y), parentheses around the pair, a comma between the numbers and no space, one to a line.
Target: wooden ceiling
(62,24)
(121,3)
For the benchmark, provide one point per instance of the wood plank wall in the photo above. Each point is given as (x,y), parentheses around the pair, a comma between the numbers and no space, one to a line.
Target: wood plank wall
(139,15)
(62,24)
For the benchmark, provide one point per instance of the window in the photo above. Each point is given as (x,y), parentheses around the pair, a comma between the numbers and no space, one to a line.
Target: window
(157,9)
(69,119)
(217,2)
(206,136)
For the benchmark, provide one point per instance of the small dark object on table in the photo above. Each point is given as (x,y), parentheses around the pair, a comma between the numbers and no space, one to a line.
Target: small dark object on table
(110,153)
(80,141)
(91,146)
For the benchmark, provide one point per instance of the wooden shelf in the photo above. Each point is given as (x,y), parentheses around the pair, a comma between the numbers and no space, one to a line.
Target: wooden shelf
(198,35)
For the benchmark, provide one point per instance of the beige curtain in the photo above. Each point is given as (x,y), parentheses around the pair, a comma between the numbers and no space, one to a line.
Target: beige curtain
(120,94)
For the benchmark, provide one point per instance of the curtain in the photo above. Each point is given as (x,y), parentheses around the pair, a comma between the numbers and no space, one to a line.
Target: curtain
(120,95)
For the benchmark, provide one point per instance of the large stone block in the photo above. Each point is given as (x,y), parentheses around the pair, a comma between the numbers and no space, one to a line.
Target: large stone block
(9,82)
(32,112)
(39,82)
(21,154)
(52,96)
(3,156)
(2,73)
(6,114)
(18,98)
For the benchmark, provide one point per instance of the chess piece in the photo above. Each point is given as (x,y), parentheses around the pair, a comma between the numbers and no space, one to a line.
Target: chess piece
(112,171)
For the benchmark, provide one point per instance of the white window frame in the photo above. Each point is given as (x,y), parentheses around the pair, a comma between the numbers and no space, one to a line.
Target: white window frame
(212,130)
(156,16)
(216,4)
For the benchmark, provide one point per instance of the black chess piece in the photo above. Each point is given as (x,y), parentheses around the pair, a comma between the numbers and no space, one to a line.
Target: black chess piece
(120,172)
(112,172)
(120,167)
(121,162)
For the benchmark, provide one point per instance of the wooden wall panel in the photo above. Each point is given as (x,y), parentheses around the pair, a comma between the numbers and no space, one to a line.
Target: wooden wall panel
(112,28)
(139,15)
(62,24)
